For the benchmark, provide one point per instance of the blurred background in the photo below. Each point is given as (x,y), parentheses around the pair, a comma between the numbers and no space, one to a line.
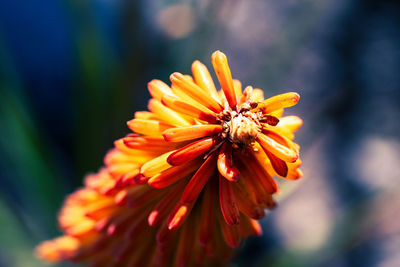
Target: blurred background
(73,72)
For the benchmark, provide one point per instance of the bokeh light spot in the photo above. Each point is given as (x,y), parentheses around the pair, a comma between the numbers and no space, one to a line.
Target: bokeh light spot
(177,21)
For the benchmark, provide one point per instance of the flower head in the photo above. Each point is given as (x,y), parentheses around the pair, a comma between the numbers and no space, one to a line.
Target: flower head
(190,181)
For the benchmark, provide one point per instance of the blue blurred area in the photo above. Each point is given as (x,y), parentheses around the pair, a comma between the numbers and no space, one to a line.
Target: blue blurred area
(39,37)
(73,72)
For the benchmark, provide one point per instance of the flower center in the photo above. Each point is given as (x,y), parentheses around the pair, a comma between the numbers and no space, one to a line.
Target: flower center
(240,127)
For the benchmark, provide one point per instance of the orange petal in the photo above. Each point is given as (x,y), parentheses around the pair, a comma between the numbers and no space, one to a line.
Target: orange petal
(221,67)
(295,175)
(280,129)
(256,167)
(247,92)
(102,182)
(145,115)
(203,78)
(121,146)
(179,93)
(100,208)
(191,132)
(277,113)
(255,187)
(178,105)
(282,139)
(131,154)
(174,174)
(227,202)
(237,85)
(128,178)
(249,227)
(294,171)
(281,151)
(58,249)
(293,123)
(191,151)
(166,114)
(148,127)
(279,101)
(148,143)
(257,95)
(156,165)
(256,227)
(224,163)
(81,229)
(257,176)
(179,214)
(199,179)
(158,88)
(195,92)
(189,78)
(150,148)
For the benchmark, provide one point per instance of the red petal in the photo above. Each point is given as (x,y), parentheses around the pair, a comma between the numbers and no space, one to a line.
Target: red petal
(230,233)
(271,120)
(225,166)
(185,244)
(245,202)
(199,179)
(164,236)
(174,174)
(279,165)
(207,219)
(191,151)
(164,206)
(227,201)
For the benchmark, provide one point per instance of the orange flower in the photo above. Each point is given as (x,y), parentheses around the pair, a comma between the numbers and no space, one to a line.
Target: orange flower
(190,181)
